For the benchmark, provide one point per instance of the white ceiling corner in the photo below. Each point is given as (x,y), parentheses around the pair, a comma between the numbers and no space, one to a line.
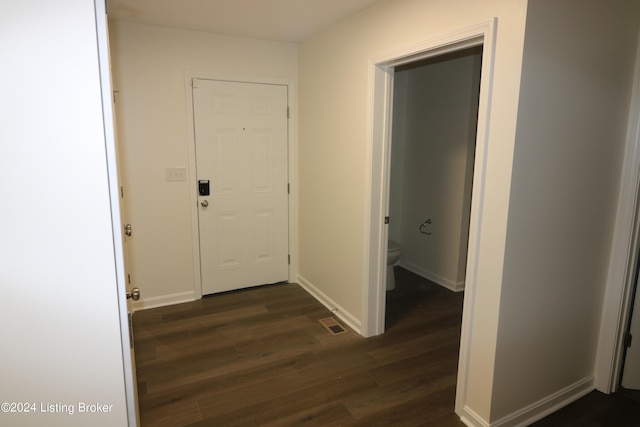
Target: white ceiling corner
(278,20)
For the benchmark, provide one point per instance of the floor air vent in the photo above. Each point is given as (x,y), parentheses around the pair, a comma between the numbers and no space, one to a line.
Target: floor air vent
(333,326)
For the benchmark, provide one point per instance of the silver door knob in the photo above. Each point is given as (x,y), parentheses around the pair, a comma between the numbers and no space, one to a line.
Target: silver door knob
(134,294)
(204,203)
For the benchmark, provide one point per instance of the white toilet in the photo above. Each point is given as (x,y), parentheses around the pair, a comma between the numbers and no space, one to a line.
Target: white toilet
(393,255)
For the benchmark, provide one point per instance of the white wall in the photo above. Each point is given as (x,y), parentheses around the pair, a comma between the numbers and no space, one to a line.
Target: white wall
(149,66)
(576,83)
(435,111)
(59,316)
(334,149)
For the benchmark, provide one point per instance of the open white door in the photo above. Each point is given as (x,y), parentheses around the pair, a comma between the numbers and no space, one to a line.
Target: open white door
(131,389)
(241,160)
(132,292)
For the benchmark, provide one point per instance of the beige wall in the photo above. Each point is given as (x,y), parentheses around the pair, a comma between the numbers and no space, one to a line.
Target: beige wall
(149,66)
(433,143)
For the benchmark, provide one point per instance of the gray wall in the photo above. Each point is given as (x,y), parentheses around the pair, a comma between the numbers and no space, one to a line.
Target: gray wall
(572,119)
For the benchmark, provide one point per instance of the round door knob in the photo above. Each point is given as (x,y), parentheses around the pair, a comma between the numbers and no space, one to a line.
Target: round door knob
(134,294)
(204,203)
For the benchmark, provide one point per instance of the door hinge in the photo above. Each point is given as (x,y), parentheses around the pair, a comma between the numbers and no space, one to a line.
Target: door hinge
(288,113)
(288,188)
(386,220)
(289,259)
(130,315)
(122,192)
(627,339)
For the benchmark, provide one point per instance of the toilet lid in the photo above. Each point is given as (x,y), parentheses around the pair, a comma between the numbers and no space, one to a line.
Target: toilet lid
(393,246)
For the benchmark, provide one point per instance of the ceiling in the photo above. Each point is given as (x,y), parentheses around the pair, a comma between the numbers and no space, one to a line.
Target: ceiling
(279,20)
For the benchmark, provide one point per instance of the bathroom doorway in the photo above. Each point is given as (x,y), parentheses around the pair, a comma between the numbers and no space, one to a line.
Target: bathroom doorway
(433,142)
(382,72)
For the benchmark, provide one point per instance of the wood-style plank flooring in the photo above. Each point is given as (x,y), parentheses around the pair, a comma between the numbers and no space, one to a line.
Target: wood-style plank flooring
(596,410)
(259,357)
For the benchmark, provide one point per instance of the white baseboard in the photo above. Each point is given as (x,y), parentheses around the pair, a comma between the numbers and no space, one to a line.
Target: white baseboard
(442,281)
(534,412)
(163,300)
(472,419)
(548,405)
(331,305)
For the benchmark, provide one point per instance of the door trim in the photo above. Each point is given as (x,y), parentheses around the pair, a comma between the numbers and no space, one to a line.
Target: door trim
(292,166)
(381,73)
(624,255)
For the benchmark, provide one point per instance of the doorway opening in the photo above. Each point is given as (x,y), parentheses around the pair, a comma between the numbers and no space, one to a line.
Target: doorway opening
(382,73)
(434,123)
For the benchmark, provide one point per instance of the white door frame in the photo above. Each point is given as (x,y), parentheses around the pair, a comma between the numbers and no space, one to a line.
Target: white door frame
(292,135)
(624,255)
(116,221)
(381,74)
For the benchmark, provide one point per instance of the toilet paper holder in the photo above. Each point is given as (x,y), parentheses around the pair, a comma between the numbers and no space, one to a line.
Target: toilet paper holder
(423,225)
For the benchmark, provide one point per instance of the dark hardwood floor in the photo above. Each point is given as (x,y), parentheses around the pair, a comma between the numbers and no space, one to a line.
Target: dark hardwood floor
(596,410)
(259,357)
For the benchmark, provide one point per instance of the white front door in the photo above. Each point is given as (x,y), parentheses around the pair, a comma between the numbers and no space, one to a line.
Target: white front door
(241,152)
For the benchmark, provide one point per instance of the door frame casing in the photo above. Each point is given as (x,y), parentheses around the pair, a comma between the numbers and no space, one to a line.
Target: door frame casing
(625,248)
(292,166)
(381,74)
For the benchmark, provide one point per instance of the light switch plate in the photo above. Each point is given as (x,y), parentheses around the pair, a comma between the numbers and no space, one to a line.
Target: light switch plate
(176,174)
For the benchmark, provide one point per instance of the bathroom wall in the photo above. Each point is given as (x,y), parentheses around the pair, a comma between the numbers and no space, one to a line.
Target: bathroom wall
(434,124)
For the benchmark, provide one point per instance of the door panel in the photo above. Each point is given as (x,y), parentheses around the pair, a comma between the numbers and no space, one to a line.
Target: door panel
(114,157)
(228,227)
(241,148)
(126,257)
